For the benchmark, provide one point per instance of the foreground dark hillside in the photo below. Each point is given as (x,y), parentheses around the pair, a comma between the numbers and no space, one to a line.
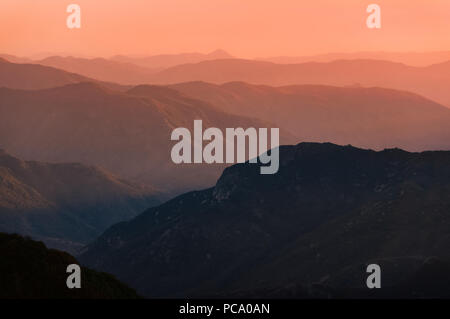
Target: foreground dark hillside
(29,270)
(328,212)
(29,75)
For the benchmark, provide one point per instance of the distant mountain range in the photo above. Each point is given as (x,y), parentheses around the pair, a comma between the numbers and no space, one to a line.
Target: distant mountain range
(90,153)
(431,81)
(163,61)
(373,118)
(418,59)
(102,69)
(425,278)
(127,130)
(328,212)
(120,69)
(127,133)
(28,270)
(66,205)
(15,59)
(32,76)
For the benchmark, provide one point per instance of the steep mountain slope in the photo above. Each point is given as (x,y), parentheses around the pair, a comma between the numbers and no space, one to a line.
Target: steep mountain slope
(432,81)
(28,270)
(328,210)
(66,205)
(101,69)
(373,118)
(127,133)
(163,61)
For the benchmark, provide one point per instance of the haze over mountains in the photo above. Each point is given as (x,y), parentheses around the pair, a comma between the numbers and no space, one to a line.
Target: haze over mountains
(32,76)
(28,270)
(329,211)
(431,81)
(101,69)
(329,207)
(127,133)
(102,156)
(15,59)
(373,118)
(163,61)
(360,69)
(418,59)
(67,204)
(366,69)
(127,130)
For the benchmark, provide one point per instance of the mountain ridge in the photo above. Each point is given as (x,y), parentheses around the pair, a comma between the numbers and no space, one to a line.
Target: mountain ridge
(365,117)
(169,60)
(425,81)
(65,202)
(33,76)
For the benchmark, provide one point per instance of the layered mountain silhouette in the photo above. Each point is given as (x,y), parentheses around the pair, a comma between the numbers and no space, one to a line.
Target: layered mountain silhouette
(15,59)
(328,212)
(67,204)
(373,118)
(28,270)
(87,146)
(163,61)
(31,76)
(119,69)
(128,133)
(34,76)
(102,69)
(425,278)
(431,81)
(418,59)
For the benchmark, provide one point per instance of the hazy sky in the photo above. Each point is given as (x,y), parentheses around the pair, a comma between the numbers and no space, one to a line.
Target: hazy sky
(245,28)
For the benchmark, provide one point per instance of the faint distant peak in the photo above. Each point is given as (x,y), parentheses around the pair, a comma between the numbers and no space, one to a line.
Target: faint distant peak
(220,54)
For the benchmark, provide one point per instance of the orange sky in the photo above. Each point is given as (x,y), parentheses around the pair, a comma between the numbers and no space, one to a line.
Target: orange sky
(245,28)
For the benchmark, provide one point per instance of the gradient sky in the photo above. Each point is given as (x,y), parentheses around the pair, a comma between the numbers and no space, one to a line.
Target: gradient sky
(245,28)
